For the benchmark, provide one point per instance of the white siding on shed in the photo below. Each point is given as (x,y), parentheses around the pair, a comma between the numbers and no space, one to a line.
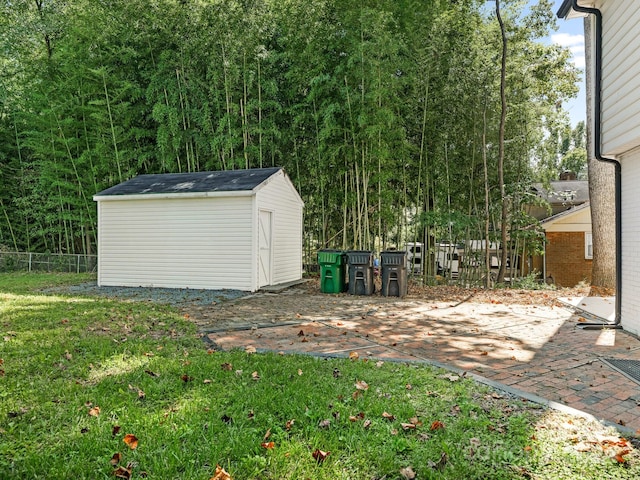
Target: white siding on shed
(630,294)
(278,196)
(176,242)
(620,76)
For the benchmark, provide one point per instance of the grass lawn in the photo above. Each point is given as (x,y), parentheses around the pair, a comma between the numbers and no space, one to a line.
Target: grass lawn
(96,388)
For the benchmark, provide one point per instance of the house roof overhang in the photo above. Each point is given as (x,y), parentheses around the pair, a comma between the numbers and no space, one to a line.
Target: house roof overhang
(566,10)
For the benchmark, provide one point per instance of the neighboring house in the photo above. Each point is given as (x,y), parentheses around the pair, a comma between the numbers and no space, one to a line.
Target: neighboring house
(569,251)
(561,195)
(237,229)
(567,226)
(613,71)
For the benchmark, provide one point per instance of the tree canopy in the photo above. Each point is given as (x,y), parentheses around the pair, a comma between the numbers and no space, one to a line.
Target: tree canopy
(384,113)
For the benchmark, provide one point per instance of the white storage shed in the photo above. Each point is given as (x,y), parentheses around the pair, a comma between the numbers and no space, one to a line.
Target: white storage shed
(235,229)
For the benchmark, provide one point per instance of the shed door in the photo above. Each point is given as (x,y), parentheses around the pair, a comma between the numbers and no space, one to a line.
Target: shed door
(264,246)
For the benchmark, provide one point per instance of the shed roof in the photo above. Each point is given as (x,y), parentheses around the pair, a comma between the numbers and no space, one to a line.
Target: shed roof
(197,182)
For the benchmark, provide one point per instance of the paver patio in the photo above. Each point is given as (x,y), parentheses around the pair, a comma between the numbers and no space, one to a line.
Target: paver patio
(536,349)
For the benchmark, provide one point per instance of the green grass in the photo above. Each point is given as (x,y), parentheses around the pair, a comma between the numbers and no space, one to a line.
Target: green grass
(62,356)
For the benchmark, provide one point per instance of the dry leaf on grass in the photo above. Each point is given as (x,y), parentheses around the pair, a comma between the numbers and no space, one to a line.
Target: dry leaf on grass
(131,441)
(122,472)
(95,411)
(440,464)
(319,455)
(437,425)
(407,473)
(115,459)
(220,474)
(362,385)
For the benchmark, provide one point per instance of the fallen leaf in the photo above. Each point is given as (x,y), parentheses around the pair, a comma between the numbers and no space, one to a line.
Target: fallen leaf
(354,355)
(324,423)
(357,394)
(304,340)
(408,386)
(206,381)
(131,440)
(289,424)
(226,366)
(440,464)
(416,421)
(362,385)
(336,373)
(186,378)
(268,445)
(122,472)
(115,460)
(319,455)
(437,425)
(388,416)
(95,411)
(68,356)
(220,474)
(366,424)
(408,426)
(115,430)
(255,376)
(299,372)
(149,372)
(301,333)
(379,363)
(407,473)
(250,349)
(267,435)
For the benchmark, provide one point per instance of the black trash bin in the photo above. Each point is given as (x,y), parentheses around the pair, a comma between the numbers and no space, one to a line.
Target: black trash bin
(360,264)
(394,273)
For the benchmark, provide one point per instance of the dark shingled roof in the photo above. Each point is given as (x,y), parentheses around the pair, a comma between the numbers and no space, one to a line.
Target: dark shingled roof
(221,181)
(564,192)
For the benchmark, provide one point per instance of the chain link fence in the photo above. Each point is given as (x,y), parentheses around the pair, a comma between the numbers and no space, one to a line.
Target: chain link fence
(47,262)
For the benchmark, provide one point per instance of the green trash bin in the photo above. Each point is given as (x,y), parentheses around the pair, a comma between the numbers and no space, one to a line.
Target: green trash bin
(332,271)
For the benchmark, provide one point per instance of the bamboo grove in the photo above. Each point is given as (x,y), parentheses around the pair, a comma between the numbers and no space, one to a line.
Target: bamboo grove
(384,113)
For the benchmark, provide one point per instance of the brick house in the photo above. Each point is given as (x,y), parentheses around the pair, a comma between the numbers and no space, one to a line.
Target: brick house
(569,251)
(565,217)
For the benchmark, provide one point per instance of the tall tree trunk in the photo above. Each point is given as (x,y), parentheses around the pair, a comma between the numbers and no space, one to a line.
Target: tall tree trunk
(601,193)
(503,118)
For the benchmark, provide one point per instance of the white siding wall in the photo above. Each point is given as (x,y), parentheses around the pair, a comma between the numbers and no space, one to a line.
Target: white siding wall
(620,75)
(279,196)
(194,243)
(631,243)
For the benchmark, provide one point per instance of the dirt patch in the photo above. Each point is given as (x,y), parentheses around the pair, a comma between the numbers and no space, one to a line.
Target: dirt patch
(305,302)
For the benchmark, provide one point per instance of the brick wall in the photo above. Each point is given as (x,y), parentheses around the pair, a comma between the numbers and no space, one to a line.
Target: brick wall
(565,258)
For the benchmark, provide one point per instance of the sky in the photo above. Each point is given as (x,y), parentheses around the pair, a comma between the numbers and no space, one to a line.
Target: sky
(570,34)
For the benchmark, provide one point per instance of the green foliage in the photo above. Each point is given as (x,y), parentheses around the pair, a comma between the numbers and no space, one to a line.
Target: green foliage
(375,109)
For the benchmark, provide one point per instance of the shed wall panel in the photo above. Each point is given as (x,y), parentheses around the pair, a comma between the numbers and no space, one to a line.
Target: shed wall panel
(181,243)
(620,77)
(280,197)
